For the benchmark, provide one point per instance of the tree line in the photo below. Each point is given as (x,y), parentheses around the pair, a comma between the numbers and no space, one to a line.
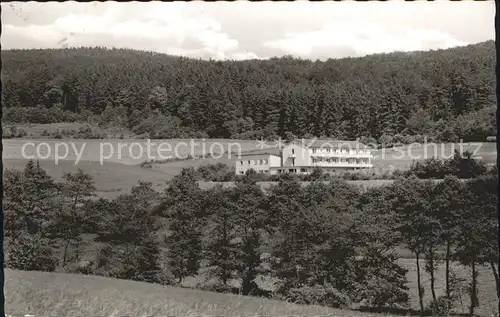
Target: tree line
(444,95)
(325,243)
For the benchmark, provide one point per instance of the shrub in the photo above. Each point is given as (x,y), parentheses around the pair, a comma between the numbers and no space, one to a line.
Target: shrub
(30,253)
(385,140)
(214,286)
(146,164)
(316,174)
(86,267)
(398,139)
(325,295)
(439,307)
(133,262)
(418,138)
(369,141)
(381,282)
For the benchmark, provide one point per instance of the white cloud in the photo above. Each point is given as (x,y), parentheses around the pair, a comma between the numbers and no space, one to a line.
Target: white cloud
(244,55)
(241,29)
(363,38)
(163,30)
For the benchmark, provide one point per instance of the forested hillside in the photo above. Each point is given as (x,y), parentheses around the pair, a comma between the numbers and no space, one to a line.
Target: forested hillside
(445,95)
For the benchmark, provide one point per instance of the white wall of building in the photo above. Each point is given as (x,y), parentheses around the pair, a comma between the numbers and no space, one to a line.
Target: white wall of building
(259,163)
(275,161)
(296,155)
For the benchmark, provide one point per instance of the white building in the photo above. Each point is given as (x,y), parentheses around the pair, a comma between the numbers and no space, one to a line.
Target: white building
(261,161)
(301,156)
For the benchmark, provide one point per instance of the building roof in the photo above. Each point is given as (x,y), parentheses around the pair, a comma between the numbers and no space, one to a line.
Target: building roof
(268,151)
(330,143)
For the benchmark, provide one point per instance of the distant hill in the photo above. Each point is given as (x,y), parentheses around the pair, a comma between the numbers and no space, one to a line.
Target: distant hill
(445,94)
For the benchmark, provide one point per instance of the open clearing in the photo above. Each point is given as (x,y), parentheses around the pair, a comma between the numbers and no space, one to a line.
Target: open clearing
(403,157)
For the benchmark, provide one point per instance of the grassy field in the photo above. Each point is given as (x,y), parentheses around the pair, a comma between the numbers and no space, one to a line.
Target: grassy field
(115,176)
(41,293)
(111,179)
(126,151)
(402,157)
(50,294)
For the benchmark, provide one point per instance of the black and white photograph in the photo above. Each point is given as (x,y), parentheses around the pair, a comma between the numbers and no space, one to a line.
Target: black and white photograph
(244,159)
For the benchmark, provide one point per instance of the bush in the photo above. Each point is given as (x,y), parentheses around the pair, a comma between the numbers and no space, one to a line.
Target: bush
(460,165)
(217,173)
(369,141)
(316,174)
(381,281)
(324,295)
(30,253)
(86,267)
(132,262)
(385,140)
(214,286)
(40,115)
(398,139)
(439,307)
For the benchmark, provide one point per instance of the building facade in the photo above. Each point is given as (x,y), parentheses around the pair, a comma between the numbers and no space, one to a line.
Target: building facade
(264,161)
(302,156)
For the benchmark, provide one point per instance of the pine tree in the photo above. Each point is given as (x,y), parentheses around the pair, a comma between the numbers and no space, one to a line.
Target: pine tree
(70,222)
(222,247)
(183,206)
(250,222)
(449,202)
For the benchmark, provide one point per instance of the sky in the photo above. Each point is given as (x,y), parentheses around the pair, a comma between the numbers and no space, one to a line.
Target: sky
(244,30)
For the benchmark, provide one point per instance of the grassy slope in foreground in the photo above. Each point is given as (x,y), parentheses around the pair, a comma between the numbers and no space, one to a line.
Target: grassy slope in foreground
(43,294)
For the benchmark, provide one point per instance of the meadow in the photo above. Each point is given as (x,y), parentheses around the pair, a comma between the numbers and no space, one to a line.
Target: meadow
(124,151)
(50,294)
(119,173)
(403,156)
(42,293)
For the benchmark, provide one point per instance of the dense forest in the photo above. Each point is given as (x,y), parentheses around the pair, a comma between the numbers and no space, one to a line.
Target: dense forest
(444,95)
(324,244)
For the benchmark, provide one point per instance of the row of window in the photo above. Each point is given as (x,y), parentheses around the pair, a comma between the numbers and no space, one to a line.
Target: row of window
(293,170)
(259,171)
(328,150)
(256,162)
(305,170)
(339,160)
